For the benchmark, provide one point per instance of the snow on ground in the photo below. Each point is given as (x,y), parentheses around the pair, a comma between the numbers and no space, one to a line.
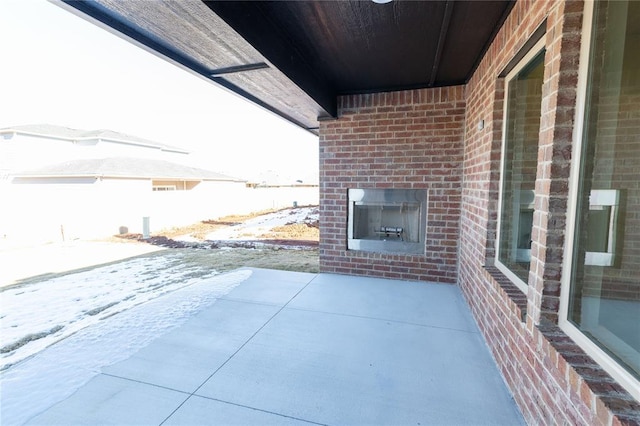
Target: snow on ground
(55,373)
(36,315)
(20,261)
(253,228)
(57,333)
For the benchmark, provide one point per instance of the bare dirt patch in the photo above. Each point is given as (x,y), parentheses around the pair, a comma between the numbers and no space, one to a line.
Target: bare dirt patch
(272,257)
(292,246)
(201,229)
(292,233)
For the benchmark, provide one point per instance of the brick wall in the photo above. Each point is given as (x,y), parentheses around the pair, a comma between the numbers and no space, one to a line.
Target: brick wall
(552,379)
(410,139)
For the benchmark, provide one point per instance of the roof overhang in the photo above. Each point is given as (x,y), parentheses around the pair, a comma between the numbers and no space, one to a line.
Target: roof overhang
(295,58)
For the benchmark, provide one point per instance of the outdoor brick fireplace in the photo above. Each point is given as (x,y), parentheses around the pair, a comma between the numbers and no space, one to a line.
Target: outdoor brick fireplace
(390,173)
(387,220)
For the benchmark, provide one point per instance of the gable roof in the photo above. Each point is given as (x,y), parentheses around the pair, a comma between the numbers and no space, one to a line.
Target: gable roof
(125,167)
(77,135)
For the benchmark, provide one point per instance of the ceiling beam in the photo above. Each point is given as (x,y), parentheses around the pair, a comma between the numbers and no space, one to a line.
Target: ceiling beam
(238,68)
(444,28)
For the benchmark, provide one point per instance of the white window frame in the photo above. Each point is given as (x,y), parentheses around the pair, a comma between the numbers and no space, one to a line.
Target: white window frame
(621,375)
(532,53)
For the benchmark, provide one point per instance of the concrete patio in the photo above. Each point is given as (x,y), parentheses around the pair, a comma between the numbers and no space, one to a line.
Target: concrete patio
(298,348)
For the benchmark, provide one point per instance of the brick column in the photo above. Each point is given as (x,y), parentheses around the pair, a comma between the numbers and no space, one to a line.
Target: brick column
(564,29)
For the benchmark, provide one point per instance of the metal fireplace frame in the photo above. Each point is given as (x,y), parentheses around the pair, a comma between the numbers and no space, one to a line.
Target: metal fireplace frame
(388,197)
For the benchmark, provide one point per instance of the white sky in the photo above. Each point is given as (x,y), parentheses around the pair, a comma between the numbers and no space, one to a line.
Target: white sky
(57,68)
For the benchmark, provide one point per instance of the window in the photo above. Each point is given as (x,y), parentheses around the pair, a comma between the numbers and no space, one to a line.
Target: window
(601,299)
(523,103)
(164,187)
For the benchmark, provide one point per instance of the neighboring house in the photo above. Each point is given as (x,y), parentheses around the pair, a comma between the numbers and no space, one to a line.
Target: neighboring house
(29,146)
(500,138)
(57,182)
(92,198)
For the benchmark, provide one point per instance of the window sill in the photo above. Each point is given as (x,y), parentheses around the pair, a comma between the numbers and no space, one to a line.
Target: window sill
(517,298)
(574,365)
(581,369)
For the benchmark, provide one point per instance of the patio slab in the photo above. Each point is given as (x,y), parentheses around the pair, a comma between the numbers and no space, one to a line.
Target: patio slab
(108,400)
(184,358)
(293,348)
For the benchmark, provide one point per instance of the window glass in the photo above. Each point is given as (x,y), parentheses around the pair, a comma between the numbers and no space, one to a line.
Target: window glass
(520,151)
(604,301)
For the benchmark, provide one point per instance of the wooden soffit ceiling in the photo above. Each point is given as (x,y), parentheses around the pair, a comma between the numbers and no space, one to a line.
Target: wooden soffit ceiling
(295,58)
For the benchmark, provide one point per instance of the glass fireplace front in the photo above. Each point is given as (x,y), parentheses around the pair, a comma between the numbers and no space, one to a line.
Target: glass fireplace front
(387,220)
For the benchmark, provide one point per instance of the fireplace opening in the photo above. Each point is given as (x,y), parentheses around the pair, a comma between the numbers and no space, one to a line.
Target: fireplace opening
(387,220)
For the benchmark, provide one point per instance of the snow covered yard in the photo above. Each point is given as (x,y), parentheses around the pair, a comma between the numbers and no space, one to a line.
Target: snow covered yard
(59,325)
(21,259)
(35,315)
(40,311)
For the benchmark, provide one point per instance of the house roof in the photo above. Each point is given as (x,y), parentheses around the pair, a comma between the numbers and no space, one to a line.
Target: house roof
(78,135)
(125,167)
(296,57)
